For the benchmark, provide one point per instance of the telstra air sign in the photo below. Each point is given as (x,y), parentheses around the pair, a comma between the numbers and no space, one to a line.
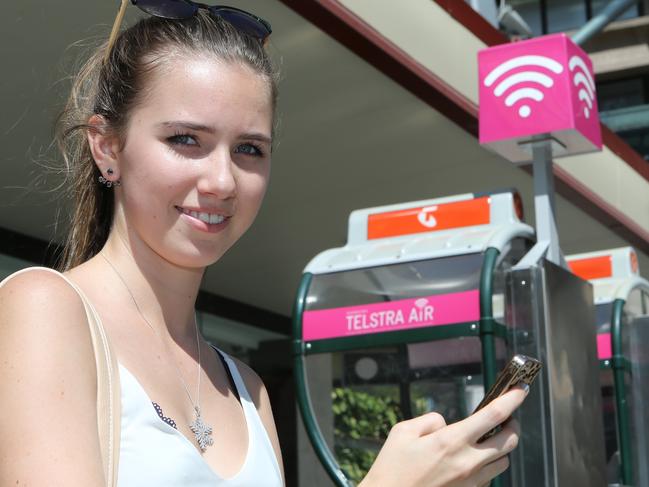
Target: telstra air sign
(542,86)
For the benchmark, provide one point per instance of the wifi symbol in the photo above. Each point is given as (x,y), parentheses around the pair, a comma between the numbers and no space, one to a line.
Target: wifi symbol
(583,77)
(523,77)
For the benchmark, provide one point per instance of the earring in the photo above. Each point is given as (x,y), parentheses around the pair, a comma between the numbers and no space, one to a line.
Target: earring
(107,182)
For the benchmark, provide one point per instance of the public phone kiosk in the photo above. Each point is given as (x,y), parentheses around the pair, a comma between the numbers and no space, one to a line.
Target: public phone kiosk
(549,310)
(622,321)
(406,318)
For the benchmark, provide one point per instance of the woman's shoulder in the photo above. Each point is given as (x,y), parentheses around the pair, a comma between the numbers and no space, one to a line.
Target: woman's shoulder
(33,275)
(44,306)
(39,286)
(48,379)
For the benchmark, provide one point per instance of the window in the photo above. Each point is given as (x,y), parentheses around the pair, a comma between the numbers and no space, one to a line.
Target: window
(624,108)
(549,16)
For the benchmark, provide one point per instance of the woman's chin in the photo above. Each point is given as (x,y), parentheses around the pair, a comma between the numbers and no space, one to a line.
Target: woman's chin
(195,257)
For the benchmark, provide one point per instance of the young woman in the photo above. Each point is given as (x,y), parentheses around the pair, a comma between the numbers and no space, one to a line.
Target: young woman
(167,139)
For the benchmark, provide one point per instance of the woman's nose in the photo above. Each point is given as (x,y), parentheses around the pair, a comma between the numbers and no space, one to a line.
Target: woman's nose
(218,176)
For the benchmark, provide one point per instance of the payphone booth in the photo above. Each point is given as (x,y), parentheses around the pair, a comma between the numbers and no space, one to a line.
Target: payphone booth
(406,318)
(537,102)
(622,321)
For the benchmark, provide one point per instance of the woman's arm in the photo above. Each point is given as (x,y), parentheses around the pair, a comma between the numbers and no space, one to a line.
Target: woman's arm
(48,425)
(424,451)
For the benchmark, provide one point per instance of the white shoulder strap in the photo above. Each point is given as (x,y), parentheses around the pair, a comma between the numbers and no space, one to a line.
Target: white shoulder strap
(108,388)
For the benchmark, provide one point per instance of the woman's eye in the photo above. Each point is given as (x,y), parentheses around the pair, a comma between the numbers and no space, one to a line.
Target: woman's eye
(183,139)
(249,149)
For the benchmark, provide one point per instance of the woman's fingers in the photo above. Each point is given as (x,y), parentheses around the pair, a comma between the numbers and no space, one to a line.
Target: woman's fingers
(495,413)
(500,444)
(406,457)
(492,470)
(425,451)
(421,425)
(431,422)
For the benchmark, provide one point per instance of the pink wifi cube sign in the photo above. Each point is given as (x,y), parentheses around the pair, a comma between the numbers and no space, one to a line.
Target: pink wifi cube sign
(540,87)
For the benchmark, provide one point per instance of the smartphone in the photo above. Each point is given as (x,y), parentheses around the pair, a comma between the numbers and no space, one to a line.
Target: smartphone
(519,369)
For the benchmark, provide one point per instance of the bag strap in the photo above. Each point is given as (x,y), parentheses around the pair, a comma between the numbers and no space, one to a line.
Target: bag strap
(108,388)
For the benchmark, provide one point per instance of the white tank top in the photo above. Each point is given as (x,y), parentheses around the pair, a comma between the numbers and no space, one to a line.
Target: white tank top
(153,453)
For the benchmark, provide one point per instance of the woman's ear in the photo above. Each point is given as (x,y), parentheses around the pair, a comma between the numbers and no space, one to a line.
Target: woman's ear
(104,147)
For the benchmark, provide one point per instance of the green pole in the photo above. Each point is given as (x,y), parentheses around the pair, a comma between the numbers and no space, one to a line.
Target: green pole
(487,324)
(303,398)
(621,407)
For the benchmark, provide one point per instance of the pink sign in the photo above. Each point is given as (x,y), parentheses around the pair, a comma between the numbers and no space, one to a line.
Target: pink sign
(604,349)
(535,87)
(405,314)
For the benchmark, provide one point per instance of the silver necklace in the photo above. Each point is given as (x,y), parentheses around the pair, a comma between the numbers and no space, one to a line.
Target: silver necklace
(202,431)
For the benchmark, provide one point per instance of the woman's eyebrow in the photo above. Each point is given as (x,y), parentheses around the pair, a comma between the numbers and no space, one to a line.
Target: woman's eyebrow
(257,136)
(211,130)
(188,125)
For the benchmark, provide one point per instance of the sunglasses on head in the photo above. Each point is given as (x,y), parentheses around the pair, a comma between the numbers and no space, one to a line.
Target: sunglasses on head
(244,21)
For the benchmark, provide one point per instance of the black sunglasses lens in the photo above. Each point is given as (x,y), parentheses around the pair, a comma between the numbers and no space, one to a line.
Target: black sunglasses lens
(244,21)
(168,9)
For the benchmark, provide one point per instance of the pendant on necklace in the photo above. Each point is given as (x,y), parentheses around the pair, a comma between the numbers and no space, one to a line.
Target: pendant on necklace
(202,431)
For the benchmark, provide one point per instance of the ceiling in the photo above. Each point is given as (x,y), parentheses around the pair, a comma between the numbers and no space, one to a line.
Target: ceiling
(349,138)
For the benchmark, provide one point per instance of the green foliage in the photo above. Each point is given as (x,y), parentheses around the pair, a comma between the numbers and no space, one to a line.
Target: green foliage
(420,405)
(362,422)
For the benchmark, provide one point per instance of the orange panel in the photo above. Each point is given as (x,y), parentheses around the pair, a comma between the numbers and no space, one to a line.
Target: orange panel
(593,267)
(429,218)
(634,262)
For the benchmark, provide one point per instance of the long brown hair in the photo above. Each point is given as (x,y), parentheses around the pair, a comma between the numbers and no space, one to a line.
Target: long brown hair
(112,88)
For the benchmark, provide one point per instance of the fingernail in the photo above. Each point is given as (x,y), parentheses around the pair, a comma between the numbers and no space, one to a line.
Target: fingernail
(525,387)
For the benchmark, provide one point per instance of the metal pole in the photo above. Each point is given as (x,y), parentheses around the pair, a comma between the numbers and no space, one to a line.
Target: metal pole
(544,206)
(621,403)
(595,25)
(320,447)
(487,326)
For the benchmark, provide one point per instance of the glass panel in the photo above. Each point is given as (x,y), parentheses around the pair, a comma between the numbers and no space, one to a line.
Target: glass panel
(624,108)
(632,311)
(630,13)
(620,94)
(445,362)
(633,306)
(610,426)
(638,399)
(530,11)
(359,395)
(367,400)
(638,140)
(396,281)
(565,15)
(549,312)
(510,256)
(625,121)
(603,315)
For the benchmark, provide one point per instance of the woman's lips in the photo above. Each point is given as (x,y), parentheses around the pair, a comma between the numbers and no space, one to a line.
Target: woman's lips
(204,220)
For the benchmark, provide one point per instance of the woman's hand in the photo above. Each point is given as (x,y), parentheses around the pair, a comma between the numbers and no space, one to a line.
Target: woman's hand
(426,452)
